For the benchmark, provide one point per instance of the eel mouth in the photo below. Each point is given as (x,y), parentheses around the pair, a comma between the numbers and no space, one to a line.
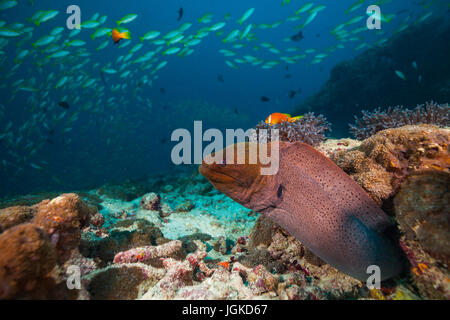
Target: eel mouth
(216,176)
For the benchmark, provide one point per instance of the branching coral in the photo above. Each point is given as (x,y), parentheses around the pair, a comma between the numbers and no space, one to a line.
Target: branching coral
(372,122)
(310,129)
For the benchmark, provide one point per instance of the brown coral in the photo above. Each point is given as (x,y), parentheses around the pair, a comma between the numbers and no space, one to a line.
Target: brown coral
(26,257)
(13,216)
(62,218)
(383,161)
(422,211)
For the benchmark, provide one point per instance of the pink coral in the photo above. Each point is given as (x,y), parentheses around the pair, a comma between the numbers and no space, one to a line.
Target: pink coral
(151,254)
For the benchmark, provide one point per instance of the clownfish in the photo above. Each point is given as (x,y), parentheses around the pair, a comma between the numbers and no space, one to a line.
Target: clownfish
(117,36)
(276,118)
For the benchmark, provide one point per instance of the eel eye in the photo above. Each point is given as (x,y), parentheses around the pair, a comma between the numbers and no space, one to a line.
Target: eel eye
(280,191)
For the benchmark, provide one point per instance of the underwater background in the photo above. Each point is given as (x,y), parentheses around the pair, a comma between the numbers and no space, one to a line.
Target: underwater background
(119,124)
(86,118)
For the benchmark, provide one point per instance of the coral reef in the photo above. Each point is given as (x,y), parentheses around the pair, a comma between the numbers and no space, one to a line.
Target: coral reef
(377,120)
(406,170)
(209,247)
(32,253)
(310,129)
(274,247)
(374,73)
(382,162)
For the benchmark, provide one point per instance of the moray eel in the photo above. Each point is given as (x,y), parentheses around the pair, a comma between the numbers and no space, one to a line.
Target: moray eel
(317,203)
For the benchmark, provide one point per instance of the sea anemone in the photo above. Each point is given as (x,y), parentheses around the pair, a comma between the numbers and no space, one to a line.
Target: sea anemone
(372,122)
(310,129)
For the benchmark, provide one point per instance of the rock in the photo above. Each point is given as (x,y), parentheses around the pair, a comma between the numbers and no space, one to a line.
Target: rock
(186,206)
(257,256)
(179,274)
(428,275)
(261,281)
(166,210)
(125,235)
(122,281)
(62,219)
(151,201)
(222,285)
(26,257)
(127,191)
(97,220)
(276,250)
(13,216)
(152,255)
(168,188)
(422,211)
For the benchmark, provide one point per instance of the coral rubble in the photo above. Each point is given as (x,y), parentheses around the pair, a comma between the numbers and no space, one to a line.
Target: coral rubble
(377,120)
(310,129)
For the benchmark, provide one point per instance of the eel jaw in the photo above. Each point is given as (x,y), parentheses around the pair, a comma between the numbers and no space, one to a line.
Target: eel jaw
(227,184)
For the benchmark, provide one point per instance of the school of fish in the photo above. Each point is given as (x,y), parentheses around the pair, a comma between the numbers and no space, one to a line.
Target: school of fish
(59,63)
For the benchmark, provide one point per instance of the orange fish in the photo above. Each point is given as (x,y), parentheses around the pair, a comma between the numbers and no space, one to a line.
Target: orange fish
(117,36)
(224,264)
(276,118)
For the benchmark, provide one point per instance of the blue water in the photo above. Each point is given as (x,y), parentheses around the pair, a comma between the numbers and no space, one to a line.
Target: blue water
(125,138)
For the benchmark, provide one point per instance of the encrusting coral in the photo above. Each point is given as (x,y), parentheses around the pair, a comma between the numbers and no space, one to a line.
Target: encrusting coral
(309,129)
(382,162)
(377,120)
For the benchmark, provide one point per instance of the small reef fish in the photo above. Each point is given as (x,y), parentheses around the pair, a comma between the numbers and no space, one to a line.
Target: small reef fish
(277,117)
(224,264)
(180,14)
(117,36)
(64,105)
(127,19)
(400,74)
(298,36)
(246,15)
(315,201)
(355,6)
